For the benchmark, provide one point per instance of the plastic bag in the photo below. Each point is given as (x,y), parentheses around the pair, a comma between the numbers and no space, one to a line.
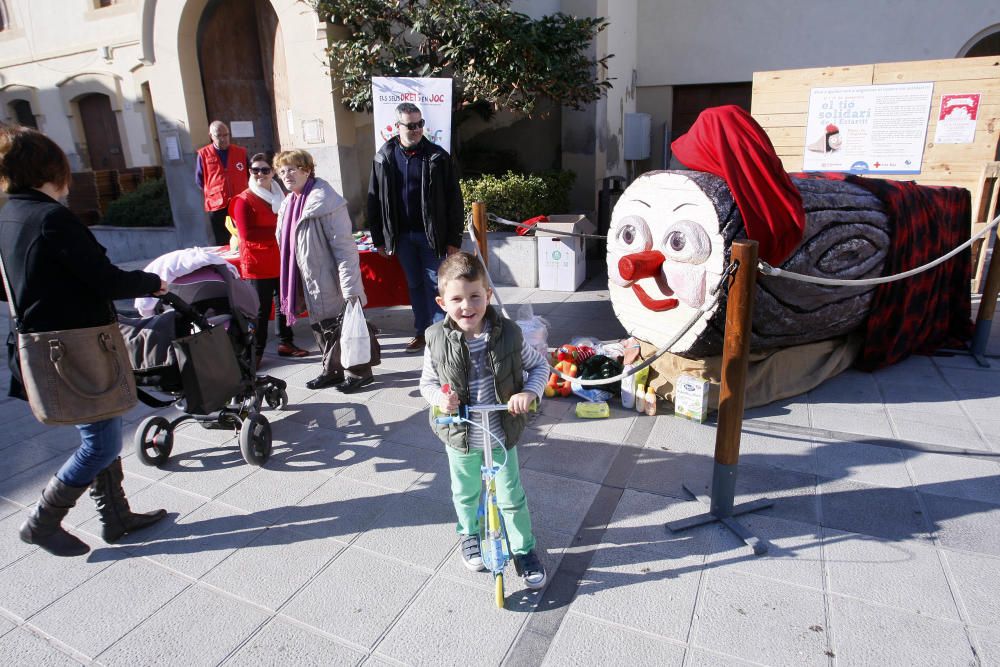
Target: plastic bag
(534,329)
(355,344)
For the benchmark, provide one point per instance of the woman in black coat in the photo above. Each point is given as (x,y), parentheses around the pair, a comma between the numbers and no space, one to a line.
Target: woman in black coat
(61,278)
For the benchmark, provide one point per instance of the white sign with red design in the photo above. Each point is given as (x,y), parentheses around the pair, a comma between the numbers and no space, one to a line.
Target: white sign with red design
(431,95)
(957,119)
(867,129)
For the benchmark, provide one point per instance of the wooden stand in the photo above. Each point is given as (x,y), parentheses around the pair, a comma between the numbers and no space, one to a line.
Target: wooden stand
(479,224)
(732,396)
(984,208)
(987,307)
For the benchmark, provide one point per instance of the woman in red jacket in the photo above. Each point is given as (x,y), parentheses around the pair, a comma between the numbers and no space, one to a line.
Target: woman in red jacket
(255,212)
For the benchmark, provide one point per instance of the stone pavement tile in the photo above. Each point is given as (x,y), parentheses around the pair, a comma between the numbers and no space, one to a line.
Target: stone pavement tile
(557,503)
(957,476)
(219,437)
(682,435)
(24,647)
(22,456)
(977,380)
(934,428)
(914,370)
(319,450)
(977,585)
(405,425)
(25,487)
(611,430)
(208,476)
(35,581)
(319,409)
(641,590)
(871,510)
(198,627)
(11,546)
(389,465)
(357,597)
(862,462)
(177,503)
(703,658)
(586,641)
(20,425)
(980,405)
(574,457)
(450,623)
(667,473)
(896,573)
(789,451)
(143,586)
(793,411)
(793,493)
(6,625)
(931,397)
(283,643)
(414,529)
(989,643)
(397,391)
(7,508)
(198,542)
(640,520)
(794,555)
(967,525)
(133,466)
(762,620)
(868,634)
(267,494)
(271,568)
(341,509)
(851,390)
(436,484)
(850,419)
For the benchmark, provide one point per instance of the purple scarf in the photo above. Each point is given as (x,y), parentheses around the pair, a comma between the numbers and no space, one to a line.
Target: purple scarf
(289,288)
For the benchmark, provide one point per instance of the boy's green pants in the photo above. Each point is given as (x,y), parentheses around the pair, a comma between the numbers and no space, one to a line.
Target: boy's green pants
(466,487)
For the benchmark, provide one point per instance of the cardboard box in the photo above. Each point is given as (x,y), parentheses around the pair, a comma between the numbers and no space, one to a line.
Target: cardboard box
(562,260)
(691,398)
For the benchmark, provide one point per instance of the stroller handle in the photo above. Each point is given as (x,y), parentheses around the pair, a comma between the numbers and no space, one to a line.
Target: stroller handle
(185,309)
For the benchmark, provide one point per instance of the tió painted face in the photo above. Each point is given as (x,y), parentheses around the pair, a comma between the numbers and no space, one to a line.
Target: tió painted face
(465,303)
(664,253)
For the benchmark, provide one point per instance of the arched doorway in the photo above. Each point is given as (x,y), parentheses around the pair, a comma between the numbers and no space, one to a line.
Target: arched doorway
(236,54)
(21,111)
(100,131)
(985,44)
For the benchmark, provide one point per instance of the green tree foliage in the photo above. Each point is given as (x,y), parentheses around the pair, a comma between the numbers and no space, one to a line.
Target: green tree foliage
(494,55)
(517,197)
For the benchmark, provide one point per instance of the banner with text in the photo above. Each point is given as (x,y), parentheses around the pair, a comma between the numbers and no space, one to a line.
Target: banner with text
(868,129)
(432,96)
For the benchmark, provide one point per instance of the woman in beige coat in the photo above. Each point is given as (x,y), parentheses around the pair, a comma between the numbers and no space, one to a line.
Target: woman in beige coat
(320,267)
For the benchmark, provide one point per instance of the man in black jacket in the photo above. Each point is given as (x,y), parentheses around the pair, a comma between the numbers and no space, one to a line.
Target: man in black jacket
(415,212)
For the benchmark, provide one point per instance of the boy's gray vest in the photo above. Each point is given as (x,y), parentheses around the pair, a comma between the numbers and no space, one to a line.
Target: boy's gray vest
(447,347)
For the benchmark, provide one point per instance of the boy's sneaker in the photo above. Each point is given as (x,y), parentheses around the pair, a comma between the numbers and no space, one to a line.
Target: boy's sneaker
(529,567)
(472,557)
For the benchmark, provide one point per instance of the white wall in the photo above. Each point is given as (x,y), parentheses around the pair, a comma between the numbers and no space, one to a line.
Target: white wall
(717,41)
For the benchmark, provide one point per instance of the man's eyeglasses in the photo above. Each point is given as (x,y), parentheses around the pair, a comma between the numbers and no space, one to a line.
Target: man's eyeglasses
(411,126)
(260,170)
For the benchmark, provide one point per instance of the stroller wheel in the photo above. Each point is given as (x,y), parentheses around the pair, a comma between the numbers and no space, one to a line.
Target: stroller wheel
(154,439)
(255,439)
(276,398)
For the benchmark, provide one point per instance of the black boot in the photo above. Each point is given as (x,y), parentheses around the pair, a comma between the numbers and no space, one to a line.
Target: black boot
(112,505)
(44,524)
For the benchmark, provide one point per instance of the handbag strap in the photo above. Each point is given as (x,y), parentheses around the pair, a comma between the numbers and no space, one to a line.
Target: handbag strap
(10,296)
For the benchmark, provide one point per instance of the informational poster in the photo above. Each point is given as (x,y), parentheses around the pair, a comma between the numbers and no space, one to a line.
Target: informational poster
(241,129)
(868,129)
(431,95)
(957,119)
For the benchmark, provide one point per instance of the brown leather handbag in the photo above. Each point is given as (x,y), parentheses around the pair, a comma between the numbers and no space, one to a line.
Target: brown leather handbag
(74,376)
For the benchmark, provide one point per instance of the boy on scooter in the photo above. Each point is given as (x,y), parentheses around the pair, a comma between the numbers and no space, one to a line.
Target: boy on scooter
(482,358)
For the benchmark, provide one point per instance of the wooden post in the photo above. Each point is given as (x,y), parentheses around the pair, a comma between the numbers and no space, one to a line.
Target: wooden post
(988,306)
(732,394)
(479,224)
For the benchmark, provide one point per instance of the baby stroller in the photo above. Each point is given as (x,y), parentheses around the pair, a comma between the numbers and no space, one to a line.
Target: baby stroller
(198,348)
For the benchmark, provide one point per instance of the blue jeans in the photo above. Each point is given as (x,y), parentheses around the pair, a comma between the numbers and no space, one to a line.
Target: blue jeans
(420,264)
(100,445)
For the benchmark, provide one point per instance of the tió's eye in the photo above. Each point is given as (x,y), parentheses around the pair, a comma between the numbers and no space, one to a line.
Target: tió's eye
(686,241)
(630,234)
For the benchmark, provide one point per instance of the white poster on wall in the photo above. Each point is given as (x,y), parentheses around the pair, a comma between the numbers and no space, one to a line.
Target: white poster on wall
(868,129)
(432,96)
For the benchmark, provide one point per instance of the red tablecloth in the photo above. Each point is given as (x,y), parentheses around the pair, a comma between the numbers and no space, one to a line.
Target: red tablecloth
(383,278)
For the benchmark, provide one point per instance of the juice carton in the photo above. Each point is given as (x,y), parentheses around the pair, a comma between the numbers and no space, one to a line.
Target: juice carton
(691,398)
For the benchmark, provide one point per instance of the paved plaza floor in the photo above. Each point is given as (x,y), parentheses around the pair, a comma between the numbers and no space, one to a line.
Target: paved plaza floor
(884,536)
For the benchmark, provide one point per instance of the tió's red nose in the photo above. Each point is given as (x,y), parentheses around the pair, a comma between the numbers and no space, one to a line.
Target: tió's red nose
(640,265)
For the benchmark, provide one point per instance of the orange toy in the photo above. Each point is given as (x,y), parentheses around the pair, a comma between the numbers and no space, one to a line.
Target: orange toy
(558,385)
(575,353)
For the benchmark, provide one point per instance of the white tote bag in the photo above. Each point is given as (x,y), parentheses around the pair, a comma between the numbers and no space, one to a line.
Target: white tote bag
(355,344)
